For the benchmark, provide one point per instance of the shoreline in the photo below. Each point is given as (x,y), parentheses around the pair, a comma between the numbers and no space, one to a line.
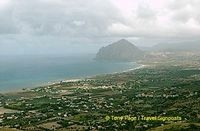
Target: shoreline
(24,89)
(139,67)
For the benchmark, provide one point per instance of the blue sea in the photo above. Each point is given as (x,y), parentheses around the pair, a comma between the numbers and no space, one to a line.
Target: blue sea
(17,72)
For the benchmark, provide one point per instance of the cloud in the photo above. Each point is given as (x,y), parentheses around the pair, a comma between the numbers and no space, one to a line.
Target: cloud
(163,19)
(145,12)
(70,18)
(43,22)
(79,23)
(99,19)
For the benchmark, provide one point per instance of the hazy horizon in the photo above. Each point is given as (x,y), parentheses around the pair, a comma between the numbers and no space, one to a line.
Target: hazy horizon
(76,27)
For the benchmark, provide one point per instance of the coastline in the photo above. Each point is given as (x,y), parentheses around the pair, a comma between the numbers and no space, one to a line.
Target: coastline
(139,67)
(24,89)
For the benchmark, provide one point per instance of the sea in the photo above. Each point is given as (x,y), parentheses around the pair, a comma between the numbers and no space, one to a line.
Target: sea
(18,72)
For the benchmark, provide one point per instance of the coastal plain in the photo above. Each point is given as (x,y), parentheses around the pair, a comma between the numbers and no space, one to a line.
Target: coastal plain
(167,86)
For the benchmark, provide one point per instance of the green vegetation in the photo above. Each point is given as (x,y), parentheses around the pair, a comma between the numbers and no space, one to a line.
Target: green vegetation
(160,90)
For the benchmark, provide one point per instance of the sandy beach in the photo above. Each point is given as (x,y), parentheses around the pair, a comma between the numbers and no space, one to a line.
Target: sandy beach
(66,80)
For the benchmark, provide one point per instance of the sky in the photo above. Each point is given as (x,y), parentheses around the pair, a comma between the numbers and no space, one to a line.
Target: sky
(83,26)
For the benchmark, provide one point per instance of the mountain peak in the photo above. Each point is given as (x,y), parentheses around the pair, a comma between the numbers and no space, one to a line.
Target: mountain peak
(122,50)
(123,40)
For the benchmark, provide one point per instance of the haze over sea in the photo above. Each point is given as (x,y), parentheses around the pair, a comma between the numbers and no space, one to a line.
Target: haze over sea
(17,72)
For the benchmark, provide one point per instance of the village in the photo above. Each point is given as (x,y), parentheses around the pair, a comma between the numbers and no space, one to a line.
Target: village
(86,108)
(152,92)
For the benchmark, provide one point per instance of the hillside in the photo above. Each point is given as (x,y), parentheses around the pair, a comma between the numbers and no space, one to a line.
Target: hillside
(178,46)
(121,50)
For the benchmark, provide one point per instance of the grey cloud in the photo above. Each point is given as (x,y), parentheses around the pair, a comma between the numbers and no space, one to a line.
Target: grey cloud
(145,12)
(40,17)
(180,4)
(185,10)
(92,19)
(7,24)
(55,25)
(182,16)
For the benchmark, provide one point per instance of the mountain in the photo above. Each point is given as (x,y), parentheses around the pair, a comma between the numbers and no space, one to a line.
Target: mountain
(178,46)
(121,50)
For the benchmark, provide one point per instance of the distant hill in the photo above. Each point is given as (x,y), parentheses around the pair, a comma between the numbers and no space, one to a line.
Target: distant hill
(121,50)
(178,46)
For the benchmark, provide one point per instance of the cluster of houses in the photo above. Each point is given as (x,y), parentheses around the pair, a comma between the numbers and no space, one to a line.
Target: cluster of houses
(85,106)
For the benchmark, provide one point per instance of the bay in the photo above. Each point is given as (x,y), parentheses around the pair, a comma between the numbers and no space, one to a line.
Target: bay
(17,72)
